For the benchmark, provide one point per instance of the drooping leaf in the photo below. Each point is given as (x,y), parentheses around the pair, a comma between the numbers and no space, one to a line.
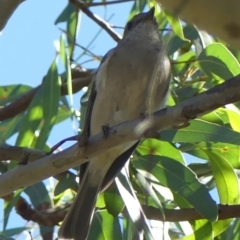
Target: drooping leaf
(13,231)
(134,209)
(225,178)
(202,131)
(180,180)
(104,226)
(202,231)
(218,62)
(176,25)
(113,200)
(65,183)
(8,206)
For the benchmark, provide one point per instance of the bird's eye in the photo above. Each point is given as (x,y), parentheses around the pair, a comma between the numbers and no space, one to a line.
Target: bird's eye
(129,26)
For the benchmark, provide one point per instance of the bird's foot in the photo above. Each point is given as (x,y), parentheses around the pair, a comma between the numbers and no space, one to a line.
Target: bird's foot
(105,130)
(181,122)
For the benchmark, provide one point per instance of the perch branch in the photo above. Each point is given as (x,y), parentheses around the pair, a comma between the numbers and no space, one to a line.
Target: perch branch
(225,93)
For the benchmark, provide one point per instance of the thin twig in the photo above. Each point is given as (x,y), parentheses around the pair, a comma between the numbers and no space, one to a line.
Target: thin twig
(95,4)
(56,146)
(83,48)
(105,25)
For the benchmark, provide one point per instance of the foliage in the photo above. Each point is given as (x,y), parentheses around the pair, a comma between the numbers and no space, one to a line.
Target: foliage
(178,170)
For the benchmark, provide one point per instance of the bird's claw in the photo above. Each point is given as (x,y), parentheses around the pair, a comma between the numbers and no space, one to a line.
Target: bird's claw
(183,122)
(105,130)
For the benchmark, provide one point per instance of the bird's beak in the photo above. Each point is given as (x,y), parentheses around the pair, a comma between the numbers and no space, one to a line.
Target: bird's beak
(150,14)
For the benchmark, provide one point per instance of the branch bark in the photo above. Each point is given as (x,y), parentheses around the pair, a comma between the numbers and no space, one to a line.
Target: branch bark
(52,217)
(73,156)
(220,18)
(190,214)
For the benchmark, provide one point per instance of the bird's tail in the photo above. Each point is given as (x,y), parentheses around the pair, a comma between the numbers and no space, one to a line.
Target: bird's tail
(77,222)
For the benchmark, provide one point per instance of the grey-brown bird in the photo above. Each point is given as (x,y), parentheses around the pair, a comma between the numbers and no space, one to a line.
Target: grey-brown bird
(132,80)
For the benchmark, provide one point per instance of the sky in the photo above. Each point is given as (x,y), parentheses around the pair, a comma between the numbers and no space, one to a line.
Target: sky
(27,51)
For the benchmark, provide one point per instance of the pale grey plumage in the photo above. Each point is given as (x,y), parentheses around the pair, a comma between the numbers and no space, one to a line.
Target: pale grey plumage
(123,92)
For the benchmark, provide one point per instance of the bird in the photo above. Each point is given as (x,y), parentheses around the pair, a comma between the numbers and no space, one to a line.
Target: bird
(132,80)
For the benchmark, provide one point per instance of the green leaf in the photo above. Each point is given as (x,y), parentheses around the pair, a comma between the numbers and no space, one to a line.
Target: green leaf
(129,230)
(70,16)
(66,61)
(13,231)
(8,206)
(225,178)
(200,169)
(42,112)
(51,94)
(161,148)
(63,52)
(234,119)
(217,117)
(202,231)
(182,64)
(104,226)
(186,92)
(38,195)
(133,206)
(2,237)
(149,190)
(68,181)
(31,121)
(138,6)
(113,200)
(220,226)
(50,103)
(202,131)
(63,114)
(64,15)
(229,152)
(233,232)
(72,29)
(218,62)
(9,127)
(180,180)
(176,25)
(10,93)
(175,43)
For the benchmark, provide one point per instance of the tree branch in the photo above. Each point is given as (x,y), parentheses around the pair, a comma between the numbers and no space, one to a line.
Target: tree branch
(189,214)
(220,18)
(52,217)
(73,156)
(80,79)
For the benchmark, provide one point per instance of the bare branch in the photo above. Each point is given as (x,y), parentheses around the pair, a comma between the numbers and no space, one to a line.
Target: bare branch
(105,25)
(46,217)
(220,18)
(73,156)
(52,217)
(190,214)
